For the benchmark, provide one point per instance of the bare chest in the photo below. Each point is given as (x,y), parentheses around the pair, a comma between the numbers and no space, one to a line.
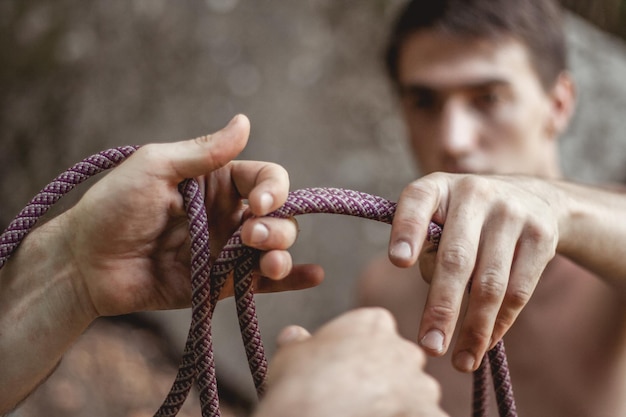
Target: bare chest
(566,352)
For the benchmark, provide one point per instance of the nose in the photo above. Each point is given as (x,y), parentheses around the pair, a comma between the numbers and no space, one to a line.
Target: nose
(458,130)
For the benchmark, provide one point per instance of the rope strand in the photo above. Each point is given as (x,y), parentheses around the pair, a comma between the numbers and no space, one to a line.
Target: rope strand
(207,280)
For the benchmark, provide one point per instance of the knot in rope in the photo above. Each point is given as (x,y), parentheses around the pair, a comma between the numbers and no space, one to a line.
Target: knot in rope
(198,364)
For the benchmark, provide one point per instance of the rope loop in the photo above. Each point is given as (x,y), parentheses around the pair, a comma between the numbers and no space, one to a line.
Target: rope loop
(198,364)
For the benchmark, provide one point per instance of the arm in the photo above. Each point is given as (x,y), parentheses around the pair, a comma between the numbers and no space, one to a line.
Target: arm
(593,231)
(124,248)
(500,232)
(41,313)
(356,365)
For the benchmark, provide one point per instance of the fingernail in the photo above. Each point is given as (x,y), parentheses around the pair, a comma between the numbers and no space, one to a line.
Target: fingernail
(259,234)
(433,340)
(464,361)
(266,202)
(401,250)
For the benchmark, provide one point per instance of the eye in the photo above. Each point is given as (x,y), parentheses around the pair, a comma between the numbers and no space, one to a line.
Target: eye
(420,99)
(488,100)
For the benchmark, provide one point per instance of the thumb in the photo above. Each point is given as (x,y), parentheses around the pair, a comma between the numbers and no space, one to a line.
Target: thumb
(200,156)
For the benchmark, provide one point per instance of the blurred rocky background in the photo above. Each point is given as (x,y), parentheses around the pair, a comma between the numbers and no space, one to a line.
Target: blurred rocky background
(79,76)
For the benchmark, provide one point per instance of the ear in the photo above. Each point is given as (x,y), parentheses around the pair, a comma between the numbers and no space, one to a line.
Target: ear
(562,102)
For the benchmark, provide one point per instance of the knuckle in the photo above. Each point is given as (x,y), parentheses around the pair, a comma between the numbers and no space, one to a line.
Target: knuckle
(201,140)
(455,258)
(378,318)
(476,186)
(149,152)
(476,336)
(517,298)
(490,288)
(503,323)
(536,231)
(441,312)
(408,223)
(418,189)
(541,235)
(508,211)
(379,314)
(273,170)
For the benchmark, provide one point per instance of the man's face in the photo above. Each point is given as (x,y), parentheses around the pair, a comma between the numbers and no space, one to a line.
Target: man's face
(474,106)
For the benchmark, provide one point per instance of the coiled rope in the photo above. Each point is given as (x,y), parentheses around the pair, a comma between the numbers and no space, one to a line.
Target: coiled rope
(198,363)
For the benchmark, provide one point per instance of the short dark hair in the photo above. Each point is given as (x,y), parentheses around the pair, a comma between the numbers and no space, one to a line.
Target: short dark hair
(538,24)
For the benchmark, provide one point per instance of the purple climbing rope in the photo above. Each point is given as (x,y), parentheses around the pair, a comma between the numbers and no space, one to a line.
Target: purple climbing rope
(198,365)
(51,193)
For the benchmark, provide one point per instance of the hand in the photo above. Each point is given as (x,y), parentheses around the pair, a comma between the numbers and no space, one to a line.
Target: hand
(499,232)
(356,365)
(128,236)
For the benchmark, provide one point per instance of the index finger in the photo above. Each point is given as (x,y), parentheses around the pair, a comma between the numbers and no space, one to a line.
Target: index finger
(417,204)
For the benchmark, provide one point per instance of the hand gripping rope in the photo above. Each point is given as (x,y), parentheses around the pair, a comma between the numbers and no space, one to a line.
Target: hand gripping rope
(207,281)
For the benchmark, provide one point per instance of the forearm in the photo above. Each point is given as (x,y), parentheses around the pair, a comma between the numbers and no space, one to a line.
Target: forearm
(593,231)
(40,313)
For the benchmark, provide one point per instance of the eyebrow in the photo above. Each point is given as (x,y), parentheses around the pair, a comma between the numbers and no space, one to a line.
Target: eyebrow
(421,88)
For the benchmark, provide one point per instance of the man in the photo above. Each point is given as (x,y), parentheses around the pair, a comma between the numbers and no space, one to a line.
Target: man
(124,248)
(484,90)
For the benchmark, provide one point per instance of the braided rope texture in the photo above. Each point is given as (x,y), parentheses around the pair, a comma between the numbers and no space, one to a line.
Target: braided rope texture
(61,185)
(480,393)
(197,364)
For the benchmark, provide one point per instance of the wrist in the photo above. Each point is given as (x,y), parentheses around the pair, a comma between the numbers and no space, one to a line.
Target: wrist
(41,312)
(64,259)
(593,230)
(574,212)
(44,268)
